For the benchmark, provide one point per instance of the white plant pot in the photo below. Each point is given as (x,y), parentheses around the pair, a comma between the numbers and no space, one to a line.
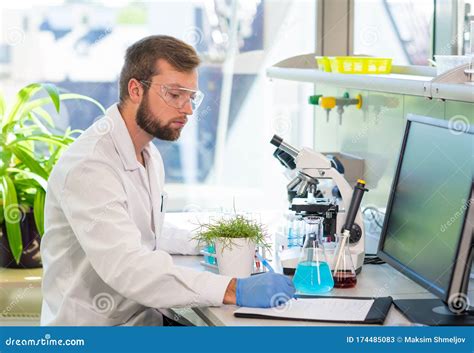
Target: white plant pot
(237,259)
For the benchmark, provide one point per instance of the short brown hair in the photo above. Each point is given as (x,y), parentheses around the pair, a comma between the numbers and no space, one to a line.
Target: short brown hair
(141,58)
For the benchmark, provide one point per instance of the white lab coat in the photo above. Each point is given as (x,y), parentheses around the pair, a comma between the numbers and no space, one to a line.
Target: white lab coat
(104,250)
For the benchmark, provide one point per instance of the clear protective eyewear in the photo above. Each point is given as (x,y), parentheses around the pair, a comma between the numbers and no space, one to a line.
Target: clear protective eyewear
(177,97)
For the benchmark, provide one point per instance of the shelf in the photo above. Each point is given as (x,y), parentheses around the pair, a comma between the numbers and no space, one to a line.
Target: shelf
(410,80)
(393,83)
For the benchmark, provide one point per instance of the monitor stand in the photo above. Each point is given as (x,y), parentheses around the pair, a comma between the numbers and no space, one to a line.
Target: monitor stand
(432,312)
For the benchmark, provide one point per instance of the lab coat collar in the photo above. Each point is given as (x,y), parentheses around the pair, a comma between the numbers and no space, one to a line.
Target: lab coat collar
(122,140)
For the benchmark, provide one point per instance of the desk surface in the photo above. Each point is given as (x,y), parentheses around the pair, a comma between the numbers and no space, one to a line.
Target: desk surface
(373,281)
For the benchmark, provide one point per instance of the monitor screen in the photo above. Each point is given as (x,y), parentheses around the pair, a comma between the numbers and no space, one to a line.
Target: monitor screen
(429,202)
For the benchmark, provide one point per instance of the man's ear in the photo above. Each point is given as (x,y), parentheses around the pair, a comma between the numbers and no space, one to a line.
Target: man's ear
(135,91)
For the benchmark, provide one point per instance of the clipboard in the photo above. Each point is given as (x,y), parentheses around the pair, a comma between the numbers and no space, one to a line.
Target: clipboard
(376,314)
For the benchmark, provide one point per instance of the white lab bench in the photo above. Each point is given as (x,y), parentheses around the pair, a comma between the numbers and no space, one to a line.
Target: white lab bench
(20,297)
(373,281)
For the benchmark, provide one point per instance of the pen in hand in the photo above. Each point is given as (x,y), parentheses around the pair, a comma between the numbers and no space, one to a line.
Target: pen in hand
(264,262)
(270,268)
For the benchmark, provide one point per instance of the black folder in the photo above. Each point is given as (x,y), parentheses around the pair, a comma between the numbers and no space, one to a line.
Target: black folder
(376,315)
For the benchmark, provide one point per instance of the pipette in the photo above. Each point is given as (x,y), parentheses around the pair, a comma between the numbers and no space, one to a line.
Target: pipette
(356,200)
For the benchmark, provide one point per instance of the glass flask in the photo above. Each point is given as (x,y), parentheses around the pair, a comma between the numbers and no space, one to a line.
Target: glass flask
(313,275)
(344,275)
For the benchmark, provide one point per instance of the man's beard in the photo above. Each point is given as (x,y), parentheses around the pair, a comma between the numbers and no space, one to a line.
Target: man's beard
(152,125)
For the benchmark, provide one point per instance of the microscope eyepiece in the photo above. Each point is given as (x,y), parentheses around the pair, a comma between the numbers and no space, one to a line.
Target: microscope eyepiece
(276,141)
(283,146)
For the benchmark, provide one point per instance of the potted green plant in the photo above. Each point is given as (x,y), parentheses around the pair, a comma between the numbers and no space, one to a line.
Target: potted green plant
(30,145)
(234,239)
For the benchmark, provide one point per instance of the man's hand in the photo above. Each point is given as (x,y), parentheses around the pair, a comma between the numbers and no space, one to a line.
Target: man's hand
(261,291)
(229,296)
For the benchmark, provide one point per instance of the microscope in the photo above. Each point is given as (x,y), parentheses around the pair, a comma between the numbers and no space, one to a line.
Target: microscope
(319,190)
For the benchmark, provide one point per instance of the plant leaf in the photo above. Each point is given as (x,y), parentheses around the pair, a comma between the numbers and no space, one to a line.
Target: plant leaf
(27,130)
(21,107)
(53,94)
(38,123)
(49,139)
(63,96)
(38,210)
(22,97)
(3,105)
(5,157)
(23,155)
(40,180)
(44,115)
(26,184)
(226,230)
(12,217)
(52,159)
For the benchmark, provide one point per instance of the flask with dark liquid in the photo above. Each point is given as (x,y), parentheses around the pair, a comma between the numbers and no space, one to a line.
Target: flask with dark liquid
(345,275)
(344,272)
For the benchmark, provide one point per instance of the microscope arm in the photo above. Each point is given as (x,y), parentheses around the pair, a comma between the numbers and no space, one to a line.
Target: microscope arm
(346,191)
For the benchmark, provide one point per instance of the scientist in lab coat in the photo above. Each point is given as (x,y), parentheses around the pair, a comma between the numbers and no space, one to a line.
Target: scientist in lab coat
(106,251)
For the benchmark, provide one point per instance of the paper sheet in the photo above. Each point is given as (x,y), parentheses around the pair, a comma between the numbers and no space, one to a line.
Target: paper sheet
(324,309)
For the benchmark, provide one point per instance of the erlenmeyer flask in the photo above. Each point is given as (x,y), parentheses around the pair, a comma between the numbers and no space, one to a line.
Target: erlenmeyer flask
(344,275)
(313,274)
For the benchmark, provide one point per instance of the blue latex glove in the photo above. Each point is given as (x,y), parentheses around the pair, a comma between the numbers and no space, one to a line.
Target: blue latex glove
(264,291)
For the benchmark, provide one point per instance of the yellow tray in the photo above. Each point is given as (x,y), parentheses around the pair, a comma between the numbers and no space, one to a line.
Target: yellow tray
(323,63)
(354,64)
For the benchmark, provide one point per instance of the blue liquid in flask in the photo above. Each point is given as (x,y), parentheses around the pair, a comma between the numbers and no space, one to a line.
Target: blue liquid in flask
(313,277)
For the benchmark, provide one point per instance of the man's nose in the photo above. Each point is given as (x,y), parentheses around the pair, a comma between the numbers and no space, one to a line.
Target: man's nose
(187,108)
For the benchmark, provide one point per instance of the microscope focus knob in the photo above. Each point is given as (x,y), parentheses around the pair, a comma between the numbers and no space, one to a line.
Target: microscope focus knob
(356,234)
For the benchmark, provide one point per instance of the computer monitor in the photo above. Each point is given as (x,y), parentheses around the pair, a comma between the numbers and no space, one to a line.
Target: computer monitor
(428,227)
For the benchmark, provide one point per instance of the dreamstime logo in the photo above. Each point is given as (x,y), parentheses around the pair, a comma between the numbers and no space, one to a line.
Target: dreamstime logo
(286,28)
(110,206)
(381,291)
(193,36)
(364,132)
(19,296)
(15,36)
(202,113)
(103,303)
(107,31)
(15,213)
(103,125)
(369,36)
(447,49)
(280,302)
(455,216)
(281,125)
(458,303)
(458,124)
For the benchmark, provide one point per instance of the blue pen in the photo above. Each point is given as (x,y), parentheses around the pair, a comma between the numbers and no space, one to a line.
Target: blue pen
(264,262)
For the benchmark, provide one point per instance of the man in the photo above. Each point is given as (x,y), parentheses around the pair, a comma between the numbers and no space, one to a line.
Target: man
(104,248)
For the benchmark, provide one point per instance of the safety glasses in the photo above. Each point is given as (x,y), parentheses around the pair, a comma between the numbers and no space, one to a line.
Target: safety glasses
(177,97)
